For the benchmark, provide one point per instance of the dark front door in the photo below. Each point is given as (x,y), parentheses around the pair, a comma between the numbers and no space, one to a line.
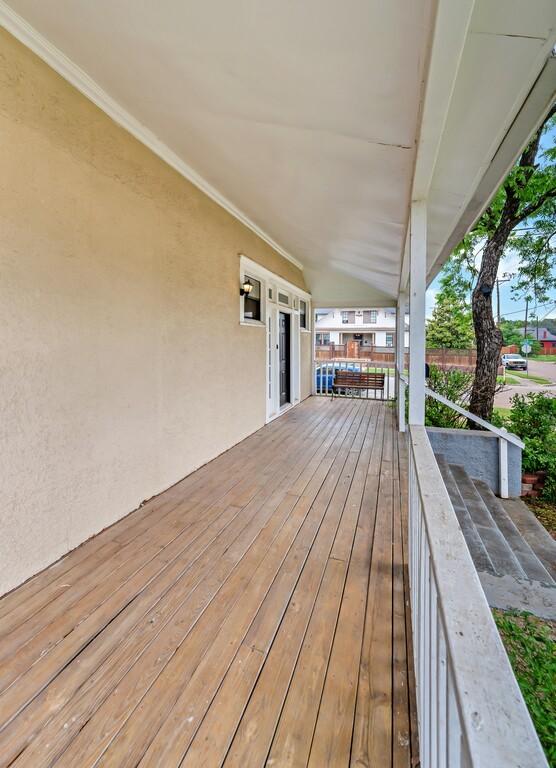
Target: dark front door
(284,355)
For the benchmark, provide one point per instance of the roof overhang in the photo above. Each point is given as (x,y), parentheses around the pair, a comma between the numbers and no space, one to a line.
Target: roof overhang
(491,81)
(317,123)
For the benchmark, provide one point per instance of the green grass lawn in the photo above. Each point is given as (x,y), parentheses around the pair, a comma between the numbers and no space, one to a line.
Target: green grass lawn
(543,358)
(530,643)
(509,380)
(504,412)
(531,377)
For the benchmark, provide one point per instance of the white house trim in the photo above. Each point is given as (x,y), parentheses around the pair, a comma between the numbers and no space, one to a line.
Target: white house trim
(65,67)
(271,277)
(418,261)
(529,118)
(270,309)
(450,33)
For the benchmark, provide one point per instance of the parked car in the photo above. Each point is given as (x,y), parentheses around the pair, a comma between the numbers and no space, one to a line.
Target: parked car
(324,374)
(515,362)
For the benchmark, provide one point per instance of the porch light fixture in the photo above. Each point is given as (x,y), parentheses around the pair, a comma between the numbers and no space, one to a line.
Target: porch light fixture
(246,287)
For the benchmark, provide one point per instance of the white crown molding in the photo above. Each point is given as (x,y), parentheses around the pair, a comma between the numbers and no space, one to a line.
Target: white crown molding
(28,35)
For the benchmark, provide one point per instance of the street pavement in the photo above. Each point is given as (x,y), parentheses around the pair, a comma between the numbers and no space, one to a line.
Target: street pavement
(536,368)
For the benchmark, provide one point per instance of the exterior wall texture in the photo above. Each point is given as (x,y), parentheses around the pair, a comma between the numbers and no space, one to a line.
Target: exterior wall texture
(124,366)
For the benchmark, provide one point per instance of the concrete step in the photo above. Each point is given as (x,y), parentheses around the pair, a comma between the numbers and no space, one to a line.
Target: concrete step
(533,567)
(474,542)
(511,594)
(500,552)
(534,533)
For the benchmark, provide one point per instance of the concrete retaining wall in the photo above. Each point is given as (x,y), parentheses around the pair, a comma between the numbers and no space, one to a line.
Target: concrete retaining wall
(477,452)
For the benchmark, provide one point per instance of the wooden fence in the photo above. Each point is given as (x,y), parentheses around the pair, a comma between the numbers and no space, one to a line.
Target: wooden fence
(444,358)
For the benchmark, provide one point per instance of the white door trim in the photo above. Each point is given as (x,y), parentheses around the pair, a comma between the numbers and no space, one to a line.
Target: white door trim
(273,408)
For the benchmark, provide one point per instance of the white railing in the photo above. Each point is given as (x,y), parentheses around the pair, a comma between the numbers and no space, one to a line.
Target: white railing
(471,712)
(403,383)
(325,371)
(504,437)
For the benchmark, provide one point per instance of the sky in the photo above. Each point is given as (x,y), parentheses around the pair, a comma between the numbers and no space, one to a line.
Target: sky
(511,308)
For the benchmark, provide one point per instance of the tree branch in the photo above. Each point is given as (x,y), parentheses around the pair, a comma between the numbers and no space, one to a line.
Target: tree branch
(529,210)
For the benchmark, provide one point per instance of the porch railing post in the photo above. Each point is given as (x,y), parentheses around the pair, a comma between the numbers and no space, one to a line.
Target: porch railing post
(503,467)
(400,359)
(417,272)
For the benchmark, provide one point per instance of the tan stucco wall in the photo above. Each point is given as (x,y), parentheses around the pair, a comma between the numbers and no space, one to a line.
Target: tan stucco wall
(118,303)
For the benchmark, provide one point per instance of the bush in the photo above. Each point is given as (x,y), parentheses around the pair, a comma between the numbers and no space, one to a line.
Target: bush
(533,419)
(533,415)
(455,385)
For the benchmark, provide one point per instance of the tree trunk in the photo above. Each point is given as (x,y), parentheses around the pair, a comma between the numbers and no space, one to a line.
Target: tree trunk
(488,336)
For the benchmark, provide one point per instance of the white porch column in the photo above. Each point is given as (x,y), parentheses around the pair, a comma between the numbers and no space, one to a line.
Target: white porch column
(417,273)
(400,359)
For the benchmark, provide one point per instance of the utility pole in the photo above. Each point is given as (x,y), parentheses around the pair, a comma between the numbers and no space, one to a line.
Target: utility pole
(506,277)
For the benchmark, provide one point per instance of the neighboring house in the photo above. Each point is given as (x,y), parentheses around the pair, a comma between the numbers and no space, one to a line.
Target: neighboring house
(546,338)
(374,328)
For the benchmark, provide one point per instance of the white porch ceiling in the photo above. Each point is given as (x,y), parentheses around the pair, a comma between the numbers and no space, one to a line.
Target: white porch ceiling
(303,118)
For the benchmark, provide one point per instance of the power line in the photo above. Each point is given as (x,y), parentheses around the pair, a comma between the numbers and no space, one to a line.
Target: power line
(540,306)
(547,314)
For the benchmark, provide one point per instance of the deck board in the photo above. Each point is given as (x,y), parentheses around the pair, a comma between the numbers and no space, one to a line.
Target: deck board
(253,614)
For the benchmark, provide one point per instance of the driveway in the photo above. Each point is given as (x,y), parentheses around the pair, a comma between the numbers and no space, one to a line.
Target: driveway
(536,368)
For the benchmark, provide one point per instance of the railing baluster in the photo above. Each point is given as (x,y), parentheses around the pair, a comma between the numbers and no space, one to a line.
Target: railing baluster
(503,467)
(441,695)
(433,666)
(425,688)
(453,731)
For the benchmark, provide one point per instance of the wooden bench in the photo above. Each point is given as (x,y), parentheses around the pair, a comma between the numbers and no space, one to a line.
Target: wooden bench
(345,379)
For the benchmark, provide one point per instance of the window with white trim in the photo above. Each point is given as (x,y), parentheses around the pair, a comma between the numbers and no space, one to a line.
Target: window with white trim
(252,309)
(389,339)
(303,314)
(370,316)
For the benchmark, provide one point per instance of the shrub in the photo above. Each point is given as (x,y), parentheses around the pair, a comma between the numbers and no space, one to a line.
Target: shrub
(455,385)
(533,415)
(533,419)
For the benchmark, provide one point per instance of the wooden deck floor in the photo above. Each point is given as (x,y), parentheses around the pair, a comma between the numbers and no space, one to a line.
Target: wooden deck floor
(254,614)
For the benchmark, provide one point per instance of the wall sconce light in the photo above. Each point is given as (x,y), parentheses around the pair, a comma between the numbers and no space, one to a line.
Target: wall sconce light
(246,287)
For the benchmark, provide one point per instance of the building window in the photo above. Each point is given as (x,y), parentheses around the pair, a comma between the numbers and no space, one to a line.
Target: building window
(389,339)
(322,339)
(370,316)
(252,302)
(302,314)
(283,298)
(348,317)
